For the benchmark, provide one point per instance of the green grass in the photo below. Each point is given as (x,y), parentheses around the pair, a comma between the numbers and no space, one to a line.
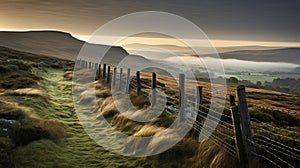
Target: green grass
(75,149)
(253,77)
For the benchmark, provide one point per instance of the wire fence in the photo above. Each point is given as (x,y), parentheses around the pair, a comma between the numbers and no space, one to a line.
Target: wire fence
(273,144)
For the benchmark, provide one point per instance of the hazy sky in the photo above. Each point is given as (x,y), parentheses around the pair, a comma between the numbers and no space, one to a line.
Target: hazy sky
(257,20)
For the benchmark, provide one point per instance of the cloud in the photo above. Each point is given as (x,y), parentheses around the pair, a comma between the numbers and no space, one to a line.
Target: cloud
(237,20)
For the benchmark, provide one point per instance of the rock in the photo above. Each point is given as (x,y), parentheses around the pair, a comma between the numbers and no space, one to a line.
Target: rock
(22,66)
(42,64)
(13,67)
(56,65)
(172,109)
(54,60)
(8,127)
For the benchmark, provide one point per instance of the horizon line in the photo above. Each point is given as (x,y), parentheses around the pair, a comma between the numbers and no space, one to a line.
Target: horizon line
(165,40)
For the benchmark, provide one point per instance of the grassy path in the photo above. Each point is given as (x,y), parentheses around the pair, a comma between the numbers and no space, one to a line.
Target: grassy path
(76,149)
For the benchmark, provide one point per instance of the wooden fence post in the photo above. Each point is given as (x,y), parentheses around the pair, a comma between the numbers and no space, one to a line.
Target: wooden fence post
(246,127)
(181,102)
(82,63)
(96,67)
(108,74)
(99,71)
(86,64)
(104,71)
(138,83)
(120,80)
(128,81)
(90,65)
(114,77)
(78,61)
(153,95)
(239,145)
(198,105)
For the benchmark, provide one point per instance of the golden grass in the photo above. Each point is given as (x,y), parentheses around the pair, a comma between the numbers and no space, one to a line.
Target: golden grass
(211,155)
(140,101)
(11,110)
(103,93)
(148,130)
(263,97)
(185,154)
(31,128)
(108,108)
(68,74)
(222,159)
(28,92)
(55,128)
(215,156)
(87,96)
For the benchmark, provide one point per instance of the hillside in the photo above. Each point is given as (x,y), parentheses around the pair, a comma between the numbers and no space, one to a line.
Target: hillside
(244,53)
(64,45)
(38,124)
(274,115)
(288,55)
(53,43)
(36,97)
(185,50)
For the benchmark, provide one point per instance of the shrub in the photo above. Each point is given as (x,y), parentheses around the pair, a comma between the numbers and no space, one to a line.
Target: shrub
(140,101)
(261,116)
(29,133)
(23,66)
(5,147)
(16,83)
(4,69)
(277,117)
(9,112)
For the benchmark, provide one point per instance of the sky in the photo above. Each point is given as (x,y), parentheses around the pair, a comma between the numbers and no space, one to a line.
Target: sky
(256,20)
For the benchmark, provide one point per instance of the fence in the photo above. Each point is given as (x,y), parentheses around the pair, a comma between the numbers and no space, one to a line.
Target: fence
(252,146)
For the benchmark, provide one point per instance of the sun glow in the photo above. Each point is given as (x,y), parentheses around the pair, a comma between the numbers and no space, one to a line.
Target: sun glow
(170,41)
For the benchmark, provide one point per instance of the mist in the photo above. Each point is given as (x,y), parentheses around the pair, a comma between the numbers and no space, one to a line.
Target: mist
(233,65)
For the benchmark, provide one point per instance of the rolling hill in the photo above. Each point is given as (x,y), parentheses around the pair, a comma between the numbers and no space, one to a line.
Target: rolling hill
(185,50)
(50,134)
(288,55)
(55,44)
(64,45)
(246,53)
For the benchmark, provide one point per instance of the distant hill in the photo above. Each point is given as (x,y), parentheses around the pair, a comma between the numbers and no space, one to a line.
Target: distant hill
(55,44)
(288,55)
(188,51)
(247,53)
(64,45)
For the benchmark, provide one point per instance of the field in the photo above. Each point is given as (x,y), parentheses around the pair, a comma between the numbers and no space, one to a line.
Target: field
(254,77)
(35,92)
(52,135)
